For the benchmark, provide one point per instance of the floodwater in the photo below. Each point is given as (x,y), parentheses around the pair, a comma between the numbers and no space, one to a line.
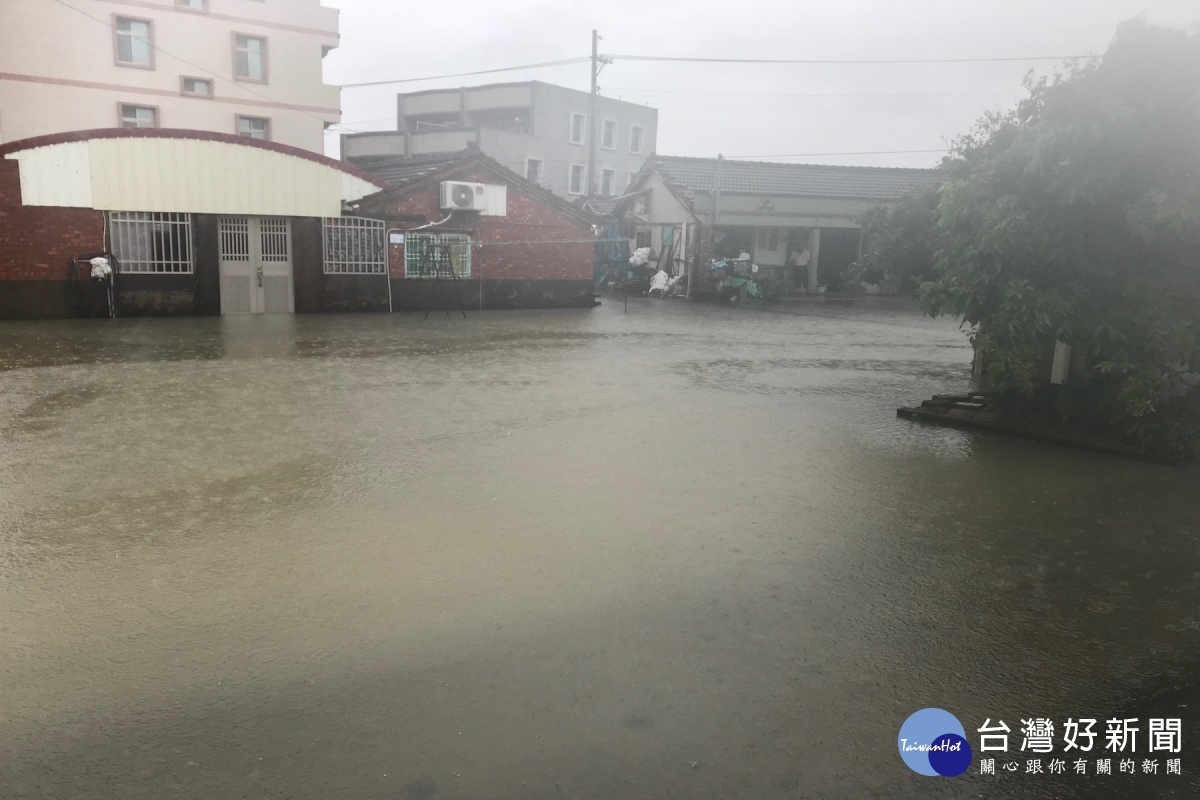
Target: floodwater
(675,552)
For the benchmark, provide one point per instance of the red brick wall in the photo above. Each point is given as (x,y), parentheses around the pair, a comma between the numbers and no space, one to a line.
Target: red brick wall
(561,247)
(37,242)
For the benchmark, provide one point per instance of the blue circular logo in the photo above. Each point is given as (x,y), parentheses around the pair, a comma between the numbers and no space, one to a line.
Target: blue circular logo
(933,742)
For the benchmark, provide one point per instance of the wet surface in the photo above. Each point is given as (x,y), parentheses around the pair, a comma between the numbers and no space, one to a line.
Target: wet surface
(682,551)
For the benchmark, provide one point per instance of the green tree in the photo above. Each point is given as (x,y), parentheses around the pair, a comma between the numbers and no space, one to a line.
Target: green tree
(1076,218)
(900,240)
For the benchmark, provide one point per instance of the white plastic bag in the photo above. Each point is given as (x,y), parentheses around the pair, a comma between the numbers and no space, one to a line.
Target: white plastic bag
(101,269)
(660,281)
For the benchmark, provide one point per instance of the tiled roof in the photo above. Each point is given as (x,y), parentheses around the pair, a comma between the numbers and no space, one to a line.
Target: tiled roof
(601,206)
(401,173)
(401,170)
(690,175)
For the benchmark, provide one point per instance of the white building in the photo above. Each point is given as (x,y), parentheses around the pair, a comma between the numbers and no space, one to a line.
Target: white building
(536,129)
(249,67)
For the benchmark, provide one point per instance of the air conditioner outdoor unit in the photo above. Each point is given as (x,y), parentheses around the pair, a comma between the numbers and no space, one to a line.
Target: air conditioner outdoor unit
(459,196)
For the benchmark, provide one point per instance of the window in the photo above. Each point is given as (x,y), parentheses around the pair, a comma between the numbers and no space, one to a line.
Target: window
(249,58)
(195,87)
(641,239)
(193,5)
(608,177)
(578,184)
(636,136)
(433,255)
(151,242)
(134,42)
(355,246)
(632,180)
(578,127)
(608,138)
(138,116)
(254,127)
(533,170)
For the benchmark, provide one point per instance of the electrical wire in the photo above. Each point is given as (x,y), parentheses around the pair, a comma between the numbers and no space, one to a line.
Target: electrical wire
(846,153)
(560,63)
(629,57)
(632,90)
(700,60)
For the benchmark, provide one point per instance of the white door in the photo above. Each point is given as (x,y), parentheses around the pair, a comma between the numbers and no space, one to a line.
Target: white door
(256,265)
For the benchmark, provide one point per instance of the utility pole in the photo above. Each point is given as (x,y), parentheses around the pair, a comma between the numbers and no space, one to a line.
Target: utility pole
(591,176)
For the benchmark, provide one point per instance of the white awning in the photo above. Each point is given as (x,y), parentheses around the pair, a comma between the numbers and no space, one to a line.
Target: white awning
(185,174)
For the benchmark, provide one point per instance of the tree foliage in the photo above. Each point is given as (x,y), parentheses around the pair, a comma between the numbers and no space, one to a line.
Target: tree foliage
(1076,217)
(899,242)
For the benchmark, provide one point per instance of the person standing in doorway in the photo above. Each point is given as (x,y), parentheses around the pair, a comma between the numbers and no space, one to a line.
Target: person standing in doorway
(799,264)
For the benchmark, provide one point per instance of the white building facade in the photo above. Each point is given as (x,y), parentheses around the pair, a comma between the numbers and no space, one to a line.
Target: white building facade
(538,130)
(242,67)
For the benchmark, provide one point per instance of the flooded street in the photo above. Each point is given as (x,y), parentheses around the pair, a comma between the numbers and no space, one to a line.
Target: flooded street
(682,551)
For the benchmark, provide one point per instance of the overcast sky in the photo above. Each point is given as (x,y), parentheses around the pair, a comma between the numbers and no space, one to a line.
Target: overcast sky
(742,110)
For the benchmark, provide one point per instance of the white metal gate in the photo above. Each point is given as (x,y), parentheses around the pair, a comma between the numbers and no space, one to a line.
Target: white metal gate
(256,265)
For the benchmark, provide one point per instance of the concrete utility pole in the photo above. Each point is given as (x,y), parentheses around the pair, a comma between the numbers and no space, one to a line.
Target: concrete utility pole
(591,176)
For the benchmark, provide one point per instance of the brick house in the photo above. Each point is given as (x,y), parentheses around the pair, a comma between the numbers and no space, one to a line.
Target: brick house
(202,223)
(537,254)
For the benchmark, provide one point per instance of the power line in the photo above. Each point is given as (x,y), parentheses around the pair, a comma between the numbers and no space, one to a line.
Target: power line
(368,121)
(827,110)
(847,153)
(692,59)
(633,90)
(627,57)
(209,72)
(563,62)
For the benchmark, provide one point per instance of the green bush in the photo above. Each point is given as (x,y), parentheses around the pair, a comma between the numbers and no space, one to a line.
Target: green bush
(1076,217)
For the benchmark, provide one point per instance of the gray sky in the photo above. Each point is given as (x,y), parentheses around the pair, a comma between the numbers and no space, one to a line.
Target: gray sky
(742,110)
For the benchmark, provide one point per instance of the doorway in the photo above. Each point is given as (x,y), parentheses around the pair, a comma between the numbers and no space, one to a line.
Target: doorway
(256,265)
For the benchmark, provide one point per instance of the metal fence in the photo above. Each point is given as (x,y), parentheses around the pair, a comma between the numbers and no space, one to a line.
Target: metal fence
(354,246)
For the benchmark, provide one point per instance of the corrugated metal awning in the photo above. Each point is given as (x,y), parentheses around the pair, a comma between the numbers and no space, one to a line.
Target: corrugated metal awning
(183,172)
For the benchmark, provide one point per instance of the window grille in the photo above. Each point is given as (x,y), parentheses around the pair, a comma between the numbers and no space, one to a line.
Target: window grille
(235,238)
(274,238)
(432,255)
(354,246)
(151,242)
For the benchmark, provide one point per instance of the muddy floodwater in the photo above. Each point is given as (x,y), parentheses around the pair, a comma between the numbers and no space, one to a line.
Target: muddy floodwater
(676,552)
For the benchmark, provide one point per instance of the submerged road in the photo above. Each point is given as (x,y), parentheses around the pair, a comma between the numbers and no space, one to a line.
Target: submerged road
(679,552)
